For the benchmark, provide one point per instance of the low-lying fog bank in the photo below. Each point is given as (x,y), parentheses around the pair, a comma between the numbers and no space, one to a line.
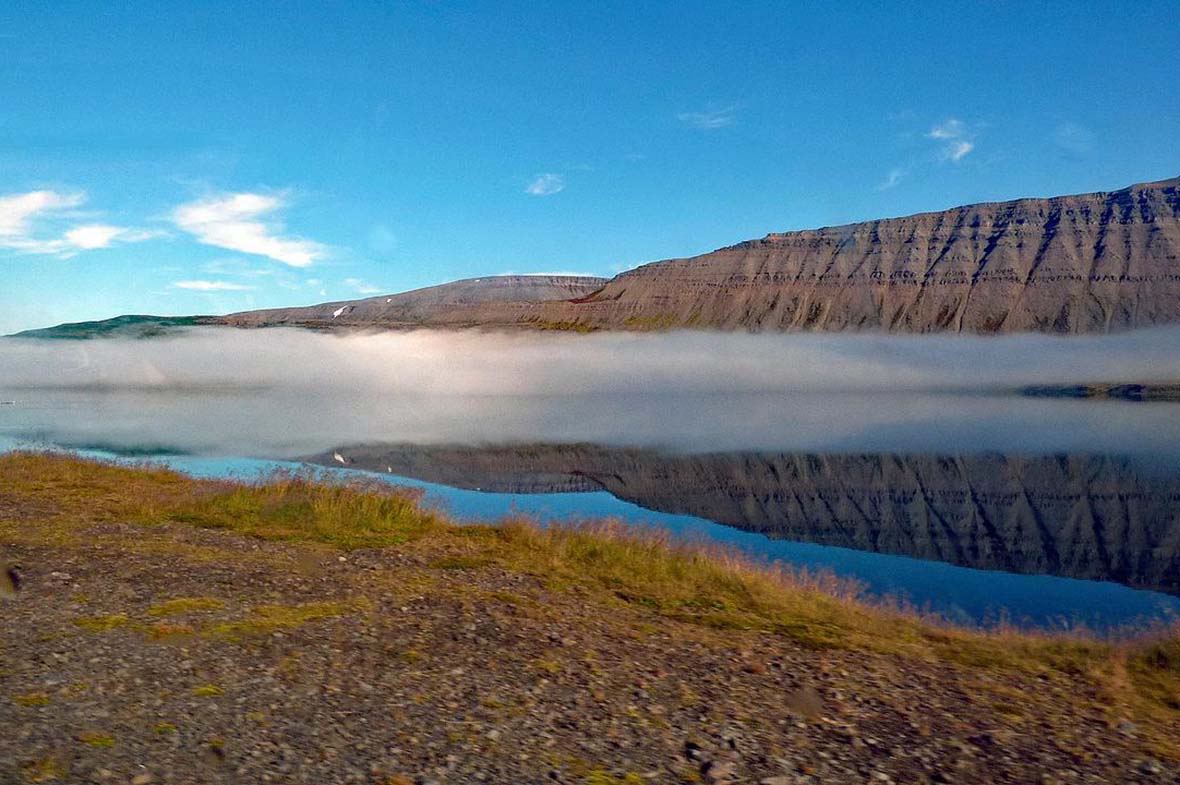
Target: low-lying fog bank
(432,362)
(275,393)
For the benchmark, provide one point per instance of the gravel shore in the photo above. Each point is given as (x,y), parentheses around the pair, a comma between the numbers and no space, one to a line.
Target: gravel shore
(172,654)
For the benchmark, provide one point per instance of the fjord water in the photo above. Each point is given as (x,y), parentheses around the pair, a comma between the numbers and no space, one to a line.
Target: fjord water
(911,465)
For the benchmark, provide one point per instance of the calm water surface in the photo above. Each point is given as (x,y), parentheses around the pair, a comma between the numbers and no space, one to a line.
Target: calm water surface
(978,507)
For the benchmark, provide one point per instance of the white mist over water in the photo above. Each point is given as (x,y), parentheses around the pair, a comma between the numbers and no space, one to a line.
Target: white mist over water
(282,393)
(482,363)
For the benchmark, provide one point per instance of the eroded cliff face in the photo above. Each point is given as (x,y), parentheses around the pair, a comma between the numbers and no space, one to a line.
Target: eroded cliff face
(1072,264)
(1090,517)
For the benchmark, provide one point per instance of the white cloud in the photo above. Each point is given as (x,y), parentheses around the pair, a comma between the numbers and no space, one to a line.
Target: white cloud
(19,212)
(958,149)
(90,236)
(211,286)
(361,287)
(951,129)
(956,138)
(231,221)
(894,177)
(546,184)
(710,119)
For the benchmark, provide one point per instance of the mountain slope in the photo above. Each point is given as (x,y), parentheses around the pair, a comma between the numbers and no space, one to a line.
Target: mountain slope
(1071,264)
(423,306)
(1088,263)
(129,326)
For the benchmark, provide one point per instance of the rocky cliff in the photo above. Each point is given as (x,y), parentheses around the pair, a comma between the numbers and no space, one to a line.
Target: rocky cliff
(1092,517)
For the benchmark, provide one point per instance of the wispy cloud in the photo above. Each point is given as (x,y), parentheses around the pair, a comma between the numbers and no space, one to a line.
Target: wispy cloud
(958,149)
(546,184)
(19,213)
(955,137)
(211,286)
(894,177)
(950,129)
(361,287)
(231,221)
(1074,139)
(709,119)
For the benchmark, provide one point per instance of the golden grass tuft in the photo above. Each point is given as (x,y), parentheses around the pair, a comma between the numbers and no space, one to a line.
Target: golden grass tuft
(295,507)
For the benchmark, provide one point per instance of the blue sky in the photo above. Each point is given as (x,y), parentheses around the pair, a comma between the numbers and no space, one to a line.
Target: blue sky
(162,159)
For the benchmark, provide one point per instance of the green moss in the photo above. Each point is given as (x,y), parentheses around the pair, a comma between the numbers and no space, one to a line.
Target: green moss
(103,623)
(96,739)
(31,699)
(411,656)
(44,770)
(655,322)
(181,605)
(271,618)
(600,777)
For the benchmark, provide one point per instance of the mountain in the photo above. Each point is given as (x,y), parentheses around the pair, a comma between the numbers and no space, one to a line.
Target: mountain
(1071,264)
(130,326)
(425,306)
(1081,516)
(1089,263)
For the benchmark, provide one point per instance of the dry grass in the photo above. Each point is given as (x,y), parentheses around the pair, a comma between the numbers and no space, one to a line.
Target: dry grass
(603,562)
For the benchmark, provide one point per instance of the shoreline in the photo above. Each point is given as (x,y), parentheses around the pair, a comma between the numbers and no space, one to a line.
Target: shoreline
(193,630)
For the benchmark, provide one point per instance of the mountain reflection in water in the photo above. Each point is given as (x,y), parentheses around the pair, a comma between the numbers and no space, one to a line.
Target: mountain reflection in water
(1080,516)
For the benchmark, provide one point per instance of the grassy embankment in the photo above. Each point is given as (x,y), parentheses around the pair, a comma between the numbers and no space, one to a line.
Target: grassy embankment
(46,500)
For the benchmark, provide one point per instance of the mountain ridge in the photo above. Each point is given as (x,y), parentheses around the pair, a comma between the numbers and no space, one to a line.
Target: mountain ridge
(1077,263)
